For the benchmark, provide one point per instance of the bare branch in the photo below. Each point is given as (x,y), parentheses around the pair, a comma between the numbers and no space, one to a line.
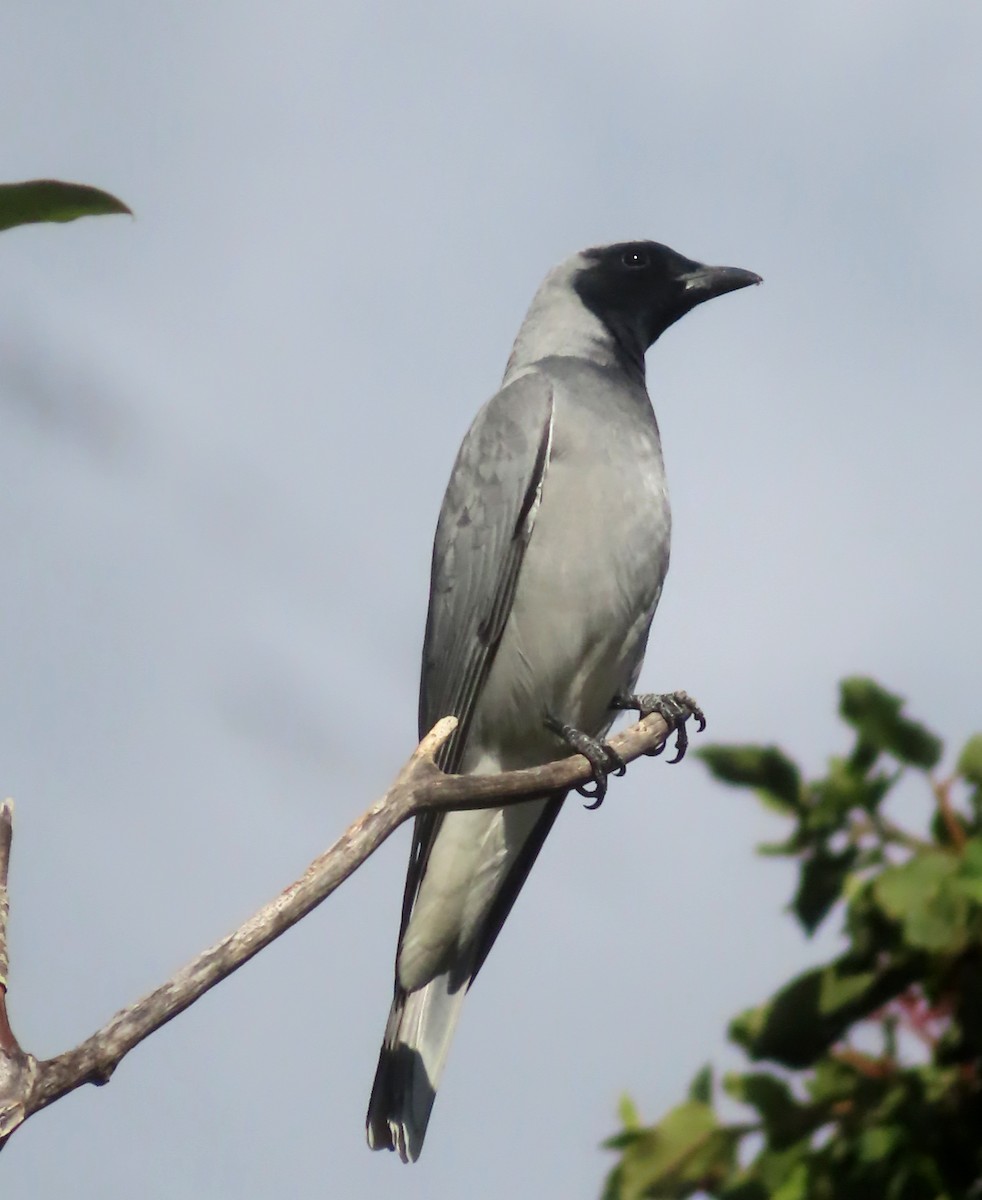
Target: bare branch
(27,1085)
(18,1071)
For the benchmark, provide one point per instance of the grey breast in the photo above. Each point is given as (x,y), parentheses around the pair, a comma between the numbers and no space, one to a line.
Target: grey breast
(593,569)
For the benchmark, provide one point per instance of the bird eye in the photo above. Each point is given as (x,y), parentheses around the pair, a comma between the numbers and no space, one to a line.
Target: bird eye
(635,259)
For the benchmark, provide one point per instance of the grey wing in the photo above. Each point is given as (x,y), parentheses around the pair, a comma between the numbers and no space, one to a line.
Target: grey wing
(484,526)
(485,523)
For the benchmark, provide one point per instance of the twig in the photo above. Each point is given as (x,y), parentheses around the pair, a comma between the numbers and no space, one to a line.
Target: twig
(27,1085)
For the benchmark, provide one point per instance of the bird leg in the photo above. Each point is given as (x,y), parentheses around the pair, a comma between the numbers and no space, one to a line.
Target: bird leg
(675,707)
(603,758)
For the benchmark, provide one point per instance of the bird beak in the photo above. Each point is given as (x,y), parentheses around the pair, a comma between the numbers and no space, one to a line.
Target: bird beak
(706,282)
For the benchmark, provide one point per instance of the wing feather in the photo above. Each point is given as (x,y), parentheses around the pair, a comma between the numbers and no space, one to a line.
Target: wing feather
(484,527)
(485,523)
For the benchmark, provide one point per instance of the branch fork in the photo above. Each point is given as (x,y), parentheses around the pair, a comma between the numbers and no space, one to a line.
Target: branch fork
(28,1084)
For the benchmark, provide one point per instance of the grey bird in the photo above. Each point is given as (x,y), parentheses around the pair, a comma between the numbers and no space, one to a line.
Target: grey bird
(549,558)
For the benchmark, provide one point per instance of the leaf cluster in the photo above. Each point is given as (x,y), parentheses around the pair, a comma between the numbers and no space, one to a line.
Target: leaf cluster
(871,1084)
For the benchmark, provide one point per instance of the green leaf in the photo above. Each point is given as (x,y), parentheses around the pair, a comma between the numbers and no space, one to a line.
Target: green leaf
(876,1144)
(863,756)
(786,1120)
(701,1087)
(793,846)
(627,1137)
(686,1150)
(613,1189)
(765,768)
(871,932)
(822,879)
(746,1027)
(969,877)
(975,804)
(837,988)
(51,200)
(795,1187)
(628,1113)
(925,898)
(939,1083)
(876,716)
(841,791)
(812,1012)
(970,760)
(971,858)
(917,1176)
(745,1186)
(773,1169)
(766,1093)
(831,1082)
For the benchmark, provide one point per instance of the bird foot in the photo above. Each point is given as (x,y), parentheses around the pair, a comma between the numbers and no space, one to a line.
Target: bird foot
(603,759)
(675,707)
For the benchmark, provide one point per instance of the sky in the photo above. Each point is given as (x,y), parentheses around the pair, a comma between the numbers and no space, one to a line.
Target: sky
(226,429)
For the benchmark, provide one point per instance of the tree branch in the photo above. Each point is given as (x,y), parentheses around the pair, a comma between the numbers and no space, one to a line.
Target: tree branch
(28,1085)
(18,1071)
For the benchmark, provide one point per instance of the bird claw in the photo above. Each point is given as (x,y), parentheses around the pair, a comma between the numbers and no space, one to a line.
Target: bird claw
(675,707)
(603,759)
(599,790)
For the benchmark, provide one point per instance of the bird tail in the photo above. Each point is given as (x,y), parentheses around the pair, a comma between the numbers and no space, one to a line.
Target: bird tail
(414,1052)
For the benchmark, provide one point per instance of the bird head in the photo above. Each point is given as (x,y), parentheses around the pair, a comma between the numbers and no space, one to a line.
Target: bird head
(639,289)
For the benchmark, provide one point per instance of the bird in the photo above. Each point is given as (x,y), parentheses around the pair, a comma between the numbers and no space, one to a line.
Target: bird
(549,557)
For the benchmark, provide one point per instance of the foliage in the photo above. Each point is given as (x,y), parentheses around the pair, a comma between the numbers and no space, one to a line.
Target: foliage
(900,1118)
(52,200)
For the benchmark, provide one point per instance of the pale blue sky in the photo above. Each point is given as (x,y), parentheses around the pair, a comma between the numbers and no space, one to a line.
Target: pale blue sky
(227,426)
